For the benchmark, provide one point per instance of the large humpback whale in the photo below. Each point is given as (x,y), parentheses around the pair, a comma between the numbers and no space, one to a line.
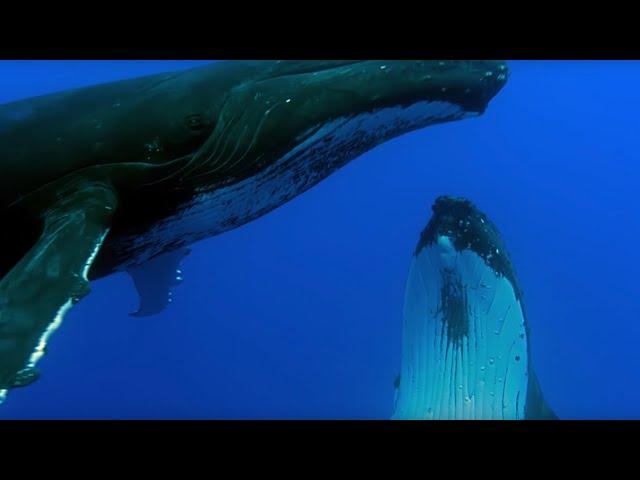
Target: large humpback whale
(124,176)
(466,342)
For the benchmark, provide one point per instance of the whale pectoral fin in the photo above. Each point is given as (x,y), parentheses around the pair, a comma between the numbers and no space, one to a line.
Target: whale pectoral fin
(50,278)
(155,279)
(537,407)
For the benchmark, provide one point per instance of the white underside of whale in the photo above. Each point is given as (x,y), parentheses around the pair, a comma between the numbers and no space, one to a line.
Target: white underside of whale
(480,375)
(329,148)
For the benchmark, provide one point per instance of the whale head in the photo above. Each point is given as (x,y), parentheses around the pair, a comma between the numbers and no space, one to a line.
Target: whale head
(338,109)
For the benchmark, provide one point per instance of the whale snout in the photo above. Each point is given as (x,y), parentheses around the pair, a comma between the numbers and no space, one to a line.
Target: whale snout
(470,84)
(487,78)
(495,76)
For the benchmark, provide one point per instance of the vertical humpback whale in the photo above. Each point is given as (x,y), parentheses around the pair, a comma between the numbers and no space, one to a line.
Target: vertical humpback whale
(466,342)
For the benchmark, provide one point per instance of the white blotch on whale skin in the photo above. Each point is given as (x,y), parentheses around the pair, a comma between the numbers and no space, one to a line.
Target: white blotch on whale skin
(44,338)
(329,148)
(483,374)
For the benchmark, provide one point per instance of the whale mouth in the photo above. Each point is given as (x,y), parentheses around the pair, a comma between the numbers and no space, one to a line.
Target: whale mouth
(464,335)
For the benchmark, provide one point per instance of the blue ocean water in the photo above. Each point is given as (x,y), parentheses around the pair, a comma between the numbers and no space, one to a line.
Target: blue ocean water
(298,314)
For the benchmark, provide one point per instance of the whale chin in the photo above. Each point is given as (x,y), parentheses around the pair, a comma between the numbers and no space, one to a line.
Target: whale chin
(465,341)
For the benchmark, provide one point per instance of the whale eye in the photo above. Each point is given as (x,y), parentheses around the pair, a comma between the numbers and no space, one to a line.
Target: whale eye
(195,122)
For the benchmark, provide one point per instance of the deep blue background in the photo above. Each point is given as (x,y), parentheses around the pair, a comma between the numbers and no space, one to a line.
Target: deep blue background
(298,314)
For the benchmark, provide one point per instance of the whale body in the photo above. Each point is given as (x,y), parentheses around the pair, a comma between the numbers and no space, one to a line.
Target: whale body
(466,341)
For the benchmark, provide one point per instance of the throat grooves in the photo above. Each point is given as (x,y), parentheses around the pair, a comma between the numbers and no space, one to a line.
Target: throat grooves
(464,341)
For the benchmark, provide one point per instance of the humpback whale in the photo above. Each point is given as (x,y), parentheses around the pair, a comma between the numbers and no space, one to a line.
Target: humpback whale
(125,176)
(466,342)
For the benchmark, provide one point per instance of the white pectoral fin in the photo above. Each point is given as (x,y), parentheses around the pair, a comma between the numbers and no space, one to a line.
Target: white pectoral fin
(42,287)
